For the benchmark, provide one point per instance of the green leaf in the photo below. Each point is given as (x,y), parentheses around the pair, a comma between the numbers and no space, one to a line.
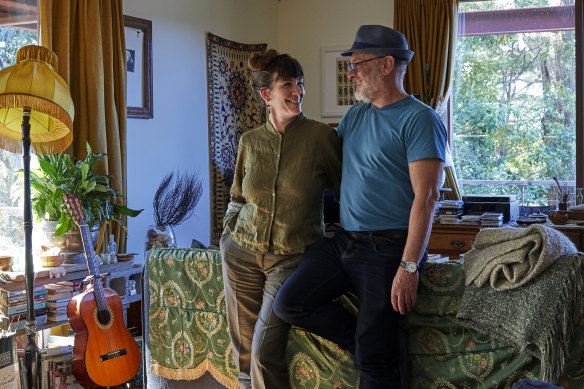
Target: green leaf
(63,225)
(123,210)
(84,171)
(47,167)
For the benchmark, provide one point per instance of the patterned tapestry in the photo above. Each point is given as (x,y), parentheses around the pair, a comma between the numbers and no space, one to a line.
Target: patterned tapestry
(233,109)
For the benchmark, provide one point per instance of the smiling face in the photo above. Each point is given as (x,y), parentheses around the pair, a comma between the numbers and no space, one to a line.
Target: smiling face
(285,97)
(366,76)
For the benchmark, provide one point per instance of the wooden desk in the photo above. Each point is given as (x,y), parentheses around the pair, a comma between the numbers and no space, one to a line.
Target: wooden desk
(455,239)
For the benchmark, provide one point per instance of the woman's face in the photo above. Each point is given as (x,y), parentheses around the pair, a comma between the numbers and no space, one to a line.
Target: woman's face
(285,96)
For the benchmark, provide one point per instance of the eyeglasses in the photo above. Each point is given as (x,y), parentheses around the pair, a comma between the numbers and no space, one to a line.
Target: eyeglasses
(353,66)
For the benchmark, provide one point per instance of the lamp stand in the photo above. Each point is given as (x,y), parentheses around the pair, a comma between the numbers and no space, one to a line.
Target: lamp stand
(31,354)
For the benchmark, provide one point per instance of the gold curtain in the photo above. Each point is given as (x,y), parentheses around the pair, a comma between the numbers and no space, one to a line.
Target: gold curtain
(430,27)
(88,38)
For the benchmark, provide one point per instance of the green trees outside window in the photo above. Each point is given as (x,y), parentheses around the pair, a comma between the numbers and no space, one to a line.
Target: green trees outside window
(11,231)
(514,106)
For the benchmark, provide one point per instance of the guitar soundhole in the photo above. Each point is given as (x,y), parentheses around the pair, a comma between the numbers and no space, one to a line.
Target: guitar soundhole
(103,317)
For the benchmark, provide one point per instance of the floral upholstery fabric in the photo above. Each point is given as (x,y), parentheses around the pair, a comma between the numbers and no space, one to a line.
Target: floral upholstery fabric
(188,334)
(443,354)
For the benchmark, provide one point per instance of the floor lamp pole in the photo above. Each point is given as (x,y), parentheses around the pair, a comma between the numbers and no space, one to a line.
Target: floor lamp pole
(31,355)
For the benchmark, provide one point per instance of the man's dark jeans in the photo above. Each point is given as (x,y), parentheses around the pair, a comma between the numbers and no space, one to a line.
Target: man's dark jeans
(337,265)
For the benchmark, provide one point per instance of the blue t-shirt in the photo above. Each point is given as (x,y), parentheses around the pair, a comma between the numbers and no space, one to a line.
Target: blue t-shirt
(378,145)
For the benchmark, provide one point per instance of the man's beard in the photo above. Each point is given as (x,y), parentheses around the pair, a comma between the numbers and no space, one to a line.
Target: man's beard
(369,86)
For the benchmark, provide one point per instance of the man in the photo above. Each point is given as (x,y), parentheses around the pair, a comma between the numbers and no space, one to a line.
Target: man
(393,156)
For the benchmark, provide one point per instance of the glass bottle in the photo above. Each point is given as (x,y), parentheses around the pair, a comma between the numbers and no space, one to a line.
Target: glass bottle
(579,196)
(112,248)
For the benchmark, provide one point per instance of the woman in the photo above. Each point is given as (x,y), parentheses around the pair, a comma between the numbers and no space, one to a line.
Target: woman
(275,213)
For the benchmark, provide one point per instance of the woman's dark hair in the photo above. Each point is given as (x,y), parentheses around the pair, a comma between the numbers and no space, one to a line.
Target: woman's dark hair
(270,66)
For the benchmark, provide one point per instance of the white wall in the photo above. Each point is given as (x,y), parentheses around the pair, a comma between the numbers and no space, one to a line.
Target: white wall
(307,25)
(177,136)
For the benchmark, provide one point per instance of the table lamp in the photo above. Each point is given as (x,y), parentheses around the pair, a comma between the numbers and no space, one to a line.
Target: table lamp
(36,110)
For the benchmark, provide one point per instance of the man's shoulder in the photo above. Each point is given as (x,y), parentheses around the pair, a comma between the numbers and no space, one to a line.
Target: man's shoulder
(417,106)
(357,109)
(352,114)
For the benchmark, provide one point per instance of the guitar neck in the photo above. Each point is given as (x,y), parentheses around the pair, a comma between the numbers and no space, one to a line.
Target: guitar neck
(89,252)
(92,266)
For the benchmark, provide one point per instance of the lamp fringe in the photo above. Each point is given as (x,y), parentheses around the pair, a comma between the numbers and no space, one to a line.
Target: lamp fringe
(53,109)
(52,141)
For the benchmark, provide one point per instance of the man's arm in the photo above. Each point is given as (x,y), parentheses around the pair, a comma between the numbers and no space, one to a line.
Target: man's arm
(426,177)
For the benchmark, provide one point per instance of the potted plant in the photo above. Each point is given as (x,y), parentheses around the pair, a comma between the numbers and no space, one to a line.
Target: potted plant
(60,174)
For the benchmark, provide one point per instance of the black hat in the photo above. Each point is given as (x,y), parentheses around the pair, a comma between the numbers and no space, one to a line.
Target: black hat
(380,40)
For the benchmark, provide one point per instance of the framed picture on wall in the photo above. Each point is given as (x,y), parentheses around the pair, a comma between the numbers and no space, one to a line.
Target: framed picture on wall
(138,34)
(338,93)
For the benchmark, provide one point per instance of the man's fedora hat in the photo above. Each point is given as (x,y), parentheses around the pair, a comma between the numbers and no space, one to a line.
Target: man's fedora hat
(380,40)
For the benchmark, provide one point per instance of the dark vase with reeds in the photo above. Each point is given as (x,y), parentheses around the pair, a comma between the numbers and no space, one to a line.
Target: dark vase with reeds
(174,202)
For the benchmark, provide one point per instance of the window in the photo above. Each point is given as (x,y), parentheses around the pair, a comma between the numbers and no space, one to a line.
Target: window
(514,98)
(17,28)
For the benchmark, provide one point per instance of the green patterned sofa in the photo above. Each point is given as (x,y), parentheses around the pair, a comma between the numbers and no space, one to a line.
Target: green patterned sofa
(188,334)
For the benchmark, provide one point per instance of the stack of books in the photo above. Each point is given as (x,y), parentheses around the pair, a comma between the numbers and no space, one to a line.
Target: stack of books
(471,220)
(437,258)
(58,296)
(13,306)
(492,219)
(449,212)
(57,369)
(75,284)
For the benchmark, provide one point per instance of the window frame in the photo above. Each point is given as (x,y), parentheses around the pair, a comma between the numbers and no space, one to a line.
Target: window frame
(518,24)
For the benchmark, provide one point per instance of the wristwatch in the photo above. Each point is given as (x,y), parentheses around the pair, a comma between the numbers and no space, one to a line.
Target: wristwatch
(410,267)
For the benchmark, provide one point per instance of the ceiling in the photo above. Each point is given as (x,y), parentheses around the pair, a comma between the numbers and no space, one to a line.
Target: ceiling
(19,13)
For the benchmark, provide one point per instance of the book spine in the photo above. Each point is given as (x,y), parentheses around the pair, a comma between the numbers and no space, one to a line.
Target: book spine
(14,311)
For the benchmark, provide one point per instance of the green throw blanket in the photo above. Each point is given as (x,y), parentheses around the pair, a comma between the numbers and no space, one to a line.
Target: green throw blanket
(510,257)
(538,318)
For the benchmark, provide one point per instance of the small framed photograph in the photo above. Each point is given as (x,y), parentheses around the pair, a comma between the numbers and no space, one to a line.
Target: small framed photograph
(138,34)
(338,93)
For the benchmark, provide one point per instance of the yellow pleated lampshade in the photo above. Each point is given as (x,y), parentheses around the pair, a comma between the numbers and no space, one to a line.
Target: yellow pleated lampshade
(34,84)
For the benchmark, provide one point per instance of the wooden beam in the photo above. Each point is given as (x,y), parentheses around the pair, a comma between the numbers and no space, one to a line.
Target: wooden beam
(518,20)
(17,20)
(579,13)
(23,5)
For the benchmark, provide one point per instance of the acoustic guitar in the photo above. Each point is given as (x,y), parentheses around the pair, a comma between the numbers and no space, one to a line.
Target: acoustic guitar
(104,352)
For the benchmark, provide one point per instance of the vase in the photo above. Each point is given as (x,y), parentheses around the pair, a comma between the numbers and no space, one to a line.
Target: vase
(71,243)
(159,237)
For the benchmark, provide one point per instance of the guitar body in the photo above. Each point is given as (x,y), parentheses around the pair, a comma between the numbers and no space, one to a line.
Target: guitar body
(104,354)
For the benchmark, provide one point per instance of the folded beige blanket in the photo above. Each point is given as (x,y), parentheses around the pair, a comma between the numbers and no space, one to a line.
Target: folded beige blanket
(510,257)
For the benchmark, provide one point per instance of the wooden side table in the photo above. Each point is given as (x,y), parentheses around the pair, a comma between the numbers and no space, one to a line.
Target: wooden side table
(454,239)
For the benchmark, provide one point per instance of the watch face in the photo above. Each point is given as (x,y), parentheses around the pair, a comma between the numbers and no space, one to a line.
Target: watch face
(410,267)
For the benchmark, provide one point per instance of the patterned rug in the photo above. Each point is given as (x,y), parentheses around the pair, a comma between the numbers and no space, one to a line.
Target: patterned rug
(233,109)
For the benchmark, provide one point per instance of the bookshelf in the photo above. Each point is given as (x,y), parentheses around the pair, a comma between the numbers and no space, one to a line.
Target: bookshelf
(122,274)
(124,278)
